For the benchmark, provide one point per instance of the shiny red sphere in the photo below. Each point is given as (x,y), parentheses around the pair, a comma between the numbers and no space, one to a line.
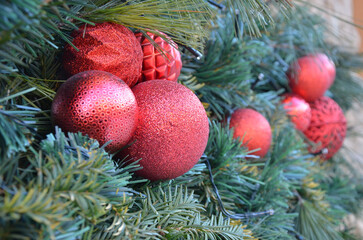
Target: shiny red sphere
(98,104)
(107,47)
(253,130)
(298,109)
(328,127)
(310,76)
(156,65)
(172,132)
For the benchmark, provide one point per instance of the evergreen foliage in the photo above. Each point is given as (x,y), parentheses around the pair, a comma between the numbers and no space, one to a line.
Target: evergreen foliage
(56,185)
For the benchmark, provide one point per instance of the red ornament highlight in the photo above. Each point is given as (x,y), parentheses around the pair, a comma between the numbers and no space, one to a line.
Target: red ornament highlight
(253,129)
(311,76)
(107,47)
(98,104)
(156,65)
(327,128)
(298,110)
(172,132)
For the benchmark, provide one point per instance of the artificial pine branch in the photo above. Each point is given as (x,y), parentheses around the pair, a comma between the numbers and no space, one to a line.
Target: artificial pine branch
(256,14)
(312,224)
(185,21)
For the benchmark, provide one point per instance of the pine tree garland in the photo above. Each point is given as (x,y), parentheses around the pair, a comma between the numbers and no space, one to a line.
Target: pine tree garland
(56,185)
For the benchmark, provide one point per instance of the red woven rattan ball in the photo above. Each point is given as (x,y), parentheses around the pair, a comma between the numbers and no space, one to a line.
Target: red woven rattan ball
(328,127)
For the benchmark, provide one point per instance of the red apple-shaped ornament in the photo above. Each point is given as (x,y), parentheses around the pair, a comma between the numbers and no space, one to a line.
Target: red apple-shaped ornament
(311,76)
(156,65)
(298,109)
(98,104)
(327,128)
(253,130)
(172,132)
(107,47)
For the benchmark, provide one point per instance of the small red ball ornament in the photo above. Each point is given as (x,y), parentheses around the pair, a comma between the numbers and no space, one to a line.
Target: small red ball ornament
(253,129)
(298,109)
(327,128)
(155,65)
(98,104)
(107,47)
(172,132)
(311,76)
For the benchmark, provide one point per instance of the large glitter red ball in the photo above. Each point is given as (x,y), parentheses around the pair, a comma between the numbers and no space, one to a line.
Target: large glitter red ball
(298,109)
(253,130)
(98,104)
(311,76)
(156,65)
(172,132)
(107,47)
(327,128)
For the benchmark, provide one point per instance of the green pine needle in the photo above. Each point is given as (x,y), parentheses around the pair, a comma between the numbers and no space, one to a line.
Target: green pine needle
(185,21)
(314,225)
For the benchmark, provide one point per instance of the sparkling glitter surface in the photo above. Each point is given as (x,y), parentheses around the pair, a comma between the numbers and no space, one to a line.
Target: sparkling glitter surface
(311,76)
(108,47)
(327,128)
(253,130)
(99,104)
(155,65)
(298,109)
(172,132)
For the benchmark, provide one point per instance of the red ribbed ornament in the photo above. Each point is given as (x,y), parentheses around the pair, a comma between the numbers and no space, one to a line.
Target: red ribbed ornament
(311,76)
(98,104)
(172,132)
(155,65)
(107,47)
(298,109)
(327,128)
(253,129)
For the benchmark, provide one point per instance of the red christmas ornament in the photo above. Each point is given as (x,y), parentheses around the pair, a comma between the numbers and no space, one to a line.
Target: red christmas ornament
(172,132)
(311,76)
(298,109)
(108,47)
(327,128)
(253,130)
(155,65)
(99,104)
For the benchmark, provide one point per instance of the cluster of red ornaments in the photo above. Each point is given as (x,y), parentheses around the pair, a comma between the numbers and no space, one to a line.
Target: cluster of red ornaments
(113,48)
(320,119)
(165,121)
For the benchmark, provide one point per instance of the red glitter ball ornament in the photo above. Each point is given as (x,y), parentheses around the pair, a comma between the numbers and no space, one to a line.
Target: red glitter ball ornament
(98,104)
(298,109)
(253,130)
(155,65)
(172,132)
(311,76)
(327,128)
(107,47)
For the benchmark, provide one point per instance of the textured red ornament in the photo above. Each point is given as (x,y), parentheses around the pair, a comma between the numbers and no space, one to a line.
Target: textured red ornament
(298,109)
(172,132)
(253,130)
(327,128)
(99,104)
(311,76)
(155,65)
(108,47)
